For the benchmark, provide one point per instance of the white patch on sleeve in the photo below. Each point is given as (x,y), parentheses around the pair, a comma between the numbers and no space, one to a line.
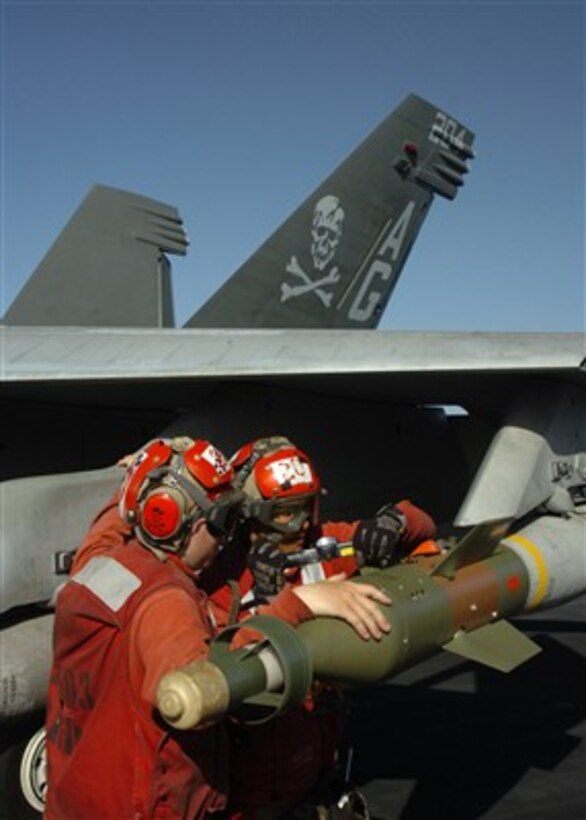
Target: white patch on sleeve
(112,583)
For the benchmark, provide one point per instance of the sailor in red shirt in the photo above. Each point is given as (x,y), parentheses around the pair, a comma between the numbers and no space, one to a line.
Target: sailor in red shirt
(276,545)
(280,764)
(132,611)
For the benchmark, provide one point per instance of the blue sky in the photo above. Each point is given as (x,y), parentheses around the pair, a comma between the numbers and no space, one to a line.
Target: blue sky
(234,112)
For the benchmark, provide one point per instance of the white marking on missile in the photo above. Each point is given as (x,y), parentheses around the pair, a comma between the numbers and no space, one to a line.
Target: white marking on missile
(273,670)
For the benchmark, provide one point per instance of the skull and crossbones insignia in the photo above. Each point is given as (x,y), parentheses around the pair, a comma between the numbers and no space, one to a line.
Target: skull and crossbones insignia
(326,233)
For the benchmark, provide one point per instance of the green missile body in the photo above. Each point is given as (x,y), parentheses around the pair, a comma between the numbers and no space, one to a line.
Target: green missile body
(429,612)
(457,602)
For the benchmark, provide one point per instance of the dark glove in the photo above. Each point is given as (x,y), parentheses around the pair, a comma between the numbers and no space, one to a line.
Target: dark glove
(376,539)
(267,562)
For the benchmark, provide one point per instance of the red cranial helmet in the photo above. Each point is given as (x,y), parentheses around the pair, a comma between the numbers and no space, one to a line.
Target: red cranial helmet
(279,481)
(172,482)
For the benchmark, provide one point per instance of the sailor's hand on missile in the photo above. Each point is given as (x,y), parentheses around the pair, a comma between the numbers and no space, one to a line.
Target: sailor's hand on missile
(355,603)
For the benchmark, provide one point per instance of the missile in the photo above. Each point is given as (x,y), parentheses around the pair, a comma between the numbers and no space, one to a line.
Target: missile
(458,601)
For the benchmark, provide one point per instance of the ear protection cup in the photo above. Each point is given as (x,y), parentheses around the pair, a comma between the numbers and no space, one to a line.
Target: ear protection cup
(162,513)
(153,456)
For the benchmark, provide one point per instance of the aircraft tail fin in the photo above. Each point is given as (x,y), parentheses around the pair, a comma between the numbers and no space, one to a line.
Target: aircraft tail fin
(335,261)
(107,268)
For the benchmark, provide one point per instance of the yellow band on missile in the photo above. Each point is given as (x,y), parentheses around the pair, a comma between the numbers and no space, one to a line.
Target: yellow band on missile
(540,565)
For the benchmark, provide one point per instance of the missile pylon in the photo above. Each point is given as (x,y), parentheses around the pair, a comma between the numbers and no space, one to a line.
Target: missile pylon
(458,601)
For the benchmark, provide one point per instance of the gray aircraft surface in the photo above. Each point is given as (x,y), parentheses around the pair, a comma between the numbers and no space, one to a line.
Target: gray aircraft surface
(288,345)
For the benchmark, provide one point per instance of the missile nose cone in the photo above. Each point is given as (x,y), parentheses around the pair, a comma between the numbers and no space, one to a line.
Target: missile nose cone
(195,695)
(171,705)
(179,700)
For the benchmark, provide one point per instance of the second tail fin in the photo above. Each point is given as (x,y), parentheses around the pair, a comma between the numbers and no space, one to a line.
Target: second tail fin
(107,267)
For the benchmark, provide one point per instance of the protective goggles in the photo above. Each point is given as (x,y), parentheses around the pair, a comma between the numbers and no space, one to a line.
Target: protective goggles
(285,517)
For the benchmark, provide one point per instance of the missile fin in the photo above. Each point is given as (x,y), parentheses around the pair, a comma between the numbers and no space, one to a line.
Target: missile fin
(498,645)
(478,544)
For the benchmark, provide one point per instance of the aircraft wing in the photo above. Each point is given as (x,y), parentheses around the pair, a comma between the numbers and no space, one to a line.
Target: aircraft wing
(169,372)
(430,366)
